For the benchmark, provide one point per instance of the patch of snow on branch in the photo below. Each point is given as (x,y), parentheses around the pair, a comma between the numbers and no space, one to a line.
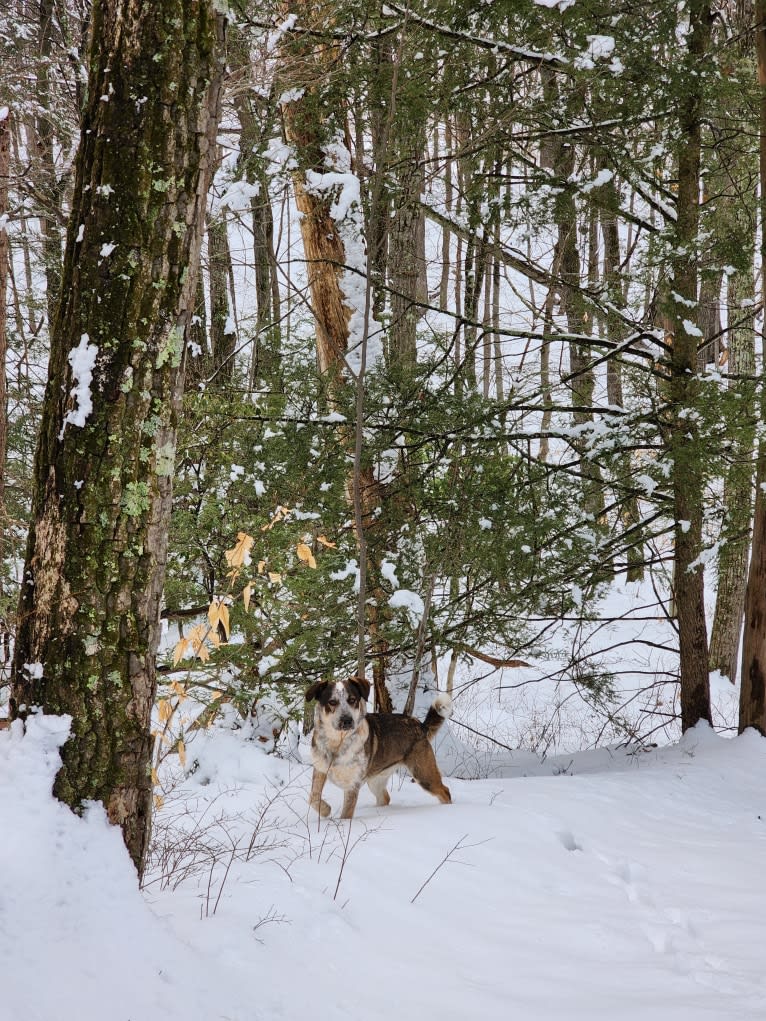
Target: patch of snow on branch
(599,48)
(411,603)
(238,195)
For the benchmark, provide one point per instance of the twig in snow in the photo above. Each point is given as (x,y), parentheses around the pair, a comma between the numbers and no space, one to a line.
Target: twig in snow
(459,846)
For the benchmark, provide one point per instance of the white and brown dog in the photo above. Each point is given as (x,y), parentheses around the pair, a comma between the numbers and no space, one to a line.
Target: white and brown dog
(351,746)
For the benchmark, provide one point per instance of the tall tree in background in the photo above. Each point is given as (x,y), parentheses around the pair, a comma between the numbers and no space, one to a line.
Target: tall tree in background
(752,701)
(89,611)
(684,439)
(5,146)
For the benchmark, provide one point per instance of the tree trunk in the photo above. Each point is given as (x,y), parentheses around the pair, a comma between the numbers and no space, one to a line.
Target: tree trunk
(222,334)
(685,447)
(44,138)
(5,154)
(404,265)
(738,490)
(95,563)
(752,697)
(629,510)
(582,381)
(5,160)
(256,119)
(335,296)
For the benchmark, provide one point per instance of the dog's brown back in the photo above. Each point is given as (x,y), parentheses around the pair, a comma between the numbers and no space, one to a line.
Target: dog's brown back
(393,736)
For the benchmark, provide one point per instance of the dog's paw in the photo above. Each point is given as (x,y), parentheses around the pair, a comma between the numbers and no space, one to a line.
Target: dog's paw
(324,809)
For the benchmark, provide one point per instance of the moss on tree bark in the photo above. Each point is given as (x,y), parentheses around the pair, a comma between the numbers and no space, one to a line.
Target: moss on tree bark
(89,609)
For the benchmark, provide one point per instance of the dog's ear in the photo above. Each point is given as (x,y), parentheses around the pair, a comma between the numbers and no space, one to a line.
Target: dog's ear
(315,690)
(362,685)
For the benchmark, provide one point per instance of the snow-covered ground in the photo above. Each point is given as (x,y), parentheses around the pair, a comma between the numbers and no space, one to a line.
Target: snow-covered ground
(603,884)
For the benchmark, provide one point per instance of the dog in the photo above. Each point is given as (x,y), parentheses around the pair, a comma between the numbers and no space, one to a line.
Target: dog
(351,746)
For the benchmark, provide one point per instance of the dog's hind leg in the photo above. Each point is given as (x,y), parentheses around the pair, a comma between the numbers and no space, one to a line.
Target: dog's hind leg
(349,802)
(378,785)
(422,765)
(315,799)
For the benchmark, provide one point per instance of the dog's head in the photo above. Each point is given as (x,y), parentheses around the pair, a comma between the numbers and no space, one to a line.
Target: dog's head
(341,704)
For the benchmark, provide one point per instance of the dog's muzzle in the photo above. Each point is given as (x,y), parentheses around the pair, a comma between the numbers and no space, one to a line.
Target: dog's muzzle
(346,723)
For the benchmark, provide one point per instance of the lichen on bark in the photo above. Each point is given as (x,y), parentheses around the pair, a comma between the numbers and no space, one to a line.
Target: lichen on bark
(89,609)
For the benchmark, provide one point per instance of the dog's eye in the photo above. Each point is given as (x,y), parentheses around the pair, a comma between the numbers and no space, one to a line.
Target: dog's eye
(332,704)
(353,702)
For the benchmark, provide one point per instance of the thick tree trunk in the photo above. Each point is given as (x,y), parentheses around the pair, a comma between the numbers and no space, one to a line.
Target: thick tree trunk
(752,698)
(5,162)
(685,446)
(89,608)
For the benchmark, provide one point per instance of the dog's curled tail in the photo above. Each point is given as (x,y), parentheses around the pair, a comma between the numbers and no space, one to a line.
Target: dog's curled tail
(440,711)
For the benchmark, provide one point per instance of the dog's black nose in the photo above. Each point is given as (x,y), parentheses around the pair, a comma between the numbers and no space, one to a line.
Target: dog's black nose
(345,723)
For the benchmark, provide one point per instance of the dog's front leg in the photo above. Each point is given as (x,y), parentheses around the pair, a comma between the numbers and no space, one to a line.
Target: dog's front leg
(349,802)
(315,800)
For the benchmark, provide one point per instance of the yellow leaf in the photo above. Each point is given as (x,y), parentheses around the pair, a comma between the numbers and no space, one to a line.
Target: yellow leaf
(179,689)
(246,593)
(159,801)
(180,650)
(305,554)
(203,653)
(164,710)
(261,566)
(240,553)
(182,754)
(155,778)
(274,577)
(213,613)
(324,541)
(216,695)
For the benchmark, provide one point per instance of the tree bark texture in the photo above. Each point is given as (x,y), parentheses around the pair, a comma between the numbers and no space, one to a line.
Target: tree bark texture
(50,186)
(629,511)
(752,695)
(223,340)
(89,607)
(685,447)
(738,490)
(5,162)
(405,262)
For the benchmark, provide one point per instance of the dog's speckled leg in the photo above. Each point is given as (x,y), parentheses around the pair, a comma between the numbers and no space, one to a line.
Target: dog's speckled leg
(349,803)
(315,800)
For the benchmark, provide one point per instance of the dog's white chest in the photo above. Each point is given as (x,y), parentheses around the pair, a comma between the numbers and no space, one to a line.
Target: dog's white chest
(349,765)
(344,761)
